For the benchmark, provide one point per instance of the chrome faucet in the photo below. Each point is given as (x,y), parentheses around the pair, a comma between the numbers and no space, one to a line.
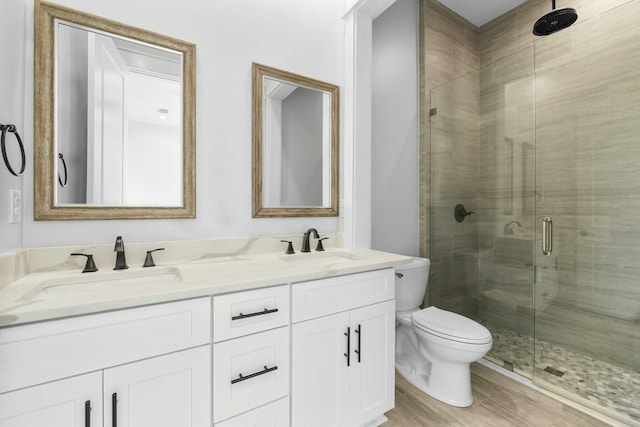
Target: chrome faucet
(305,239)
(121,261)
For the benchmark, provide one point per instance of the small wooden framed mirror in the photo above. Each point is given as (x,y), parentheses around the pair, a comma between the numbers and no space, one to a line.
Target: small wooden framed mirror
(295,144)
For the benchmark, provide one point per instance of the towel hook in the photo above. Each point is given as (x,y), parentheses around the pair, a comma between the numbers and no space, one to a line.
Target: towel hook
(12,129)
(66,175)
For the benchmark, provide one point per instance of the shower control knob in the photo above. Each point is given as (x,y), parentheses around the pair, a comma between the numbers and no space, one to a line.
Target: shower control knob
(460,213)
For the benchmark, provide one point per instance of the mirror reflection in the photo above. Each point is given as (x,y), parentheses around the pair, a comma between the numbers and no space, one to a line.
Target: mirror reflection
(295,144)
(119,120)
(297,138)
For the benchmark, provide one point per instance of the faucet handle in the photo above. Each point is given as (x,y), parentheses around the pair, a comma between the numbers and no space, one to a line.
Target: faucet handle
(320,248)
(148,261)
(119,246)
(289,247)
(90,266)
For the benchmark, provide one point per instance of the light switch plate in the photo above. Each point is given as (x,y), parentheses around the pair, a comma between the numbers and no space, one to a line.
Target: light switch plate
(15,206)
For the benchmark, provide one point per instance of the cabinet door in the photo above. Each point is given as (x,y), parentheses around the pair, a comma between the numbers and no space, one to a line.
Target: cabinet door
(371,377)
(165,391)
(72,402)
(319,385)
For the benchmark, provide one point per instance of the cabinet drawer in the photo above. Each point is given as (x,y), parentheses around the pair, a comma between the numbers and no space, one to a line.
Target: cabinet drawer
(249,372)
(245,313)
(327,296)
(41,352)
(275,414)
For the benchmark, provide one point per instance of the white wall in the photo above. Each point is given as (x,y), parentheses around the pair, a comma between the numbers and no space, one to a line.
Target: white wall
(150,183)
(12,77)
(304,37)
(395,145)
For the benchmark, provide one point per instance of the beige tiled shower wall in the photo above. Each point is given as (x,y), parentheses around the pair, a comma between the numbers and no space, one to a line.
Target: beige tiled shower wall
(512,31)
(448,49)
(587,143)
(454,180)
(505,193)
(587,293)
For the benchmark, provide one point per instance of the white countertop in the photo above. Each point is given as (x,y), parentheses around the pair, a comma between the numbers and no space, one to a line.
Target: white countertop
(19,301)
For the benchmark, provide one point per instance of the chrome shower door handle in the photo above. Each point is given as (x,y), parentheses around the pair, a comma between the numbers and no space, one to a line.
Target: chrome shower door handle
(547,236)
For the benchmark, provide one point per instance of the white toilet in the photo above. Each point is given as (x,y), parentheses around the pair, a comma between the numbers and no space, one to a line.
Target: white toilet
(435,348)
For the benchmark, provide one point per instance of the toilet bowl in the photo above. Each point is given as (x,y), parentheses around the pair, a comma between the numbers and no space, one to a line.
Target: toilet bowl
(434,347)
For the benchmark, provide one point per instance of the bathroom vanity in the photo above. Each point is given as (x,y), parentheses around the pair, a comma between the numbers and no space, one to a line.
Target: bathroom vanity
(303,341)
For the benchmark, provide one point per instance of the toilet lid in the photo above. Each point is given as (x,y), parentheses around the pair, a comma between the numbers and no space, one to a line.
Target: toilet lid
(450,325)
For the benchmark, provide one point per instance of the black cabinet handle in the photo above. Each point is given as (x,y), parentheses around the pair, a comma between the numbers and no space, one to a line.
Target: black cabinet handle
(87,413)
(114,409)
(348,353)
(257,313)
(358,331)
(255,374)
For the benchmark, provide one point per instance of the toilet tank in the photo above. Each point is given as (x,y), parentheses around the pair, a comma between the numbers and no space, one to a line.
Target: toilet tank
(412,285)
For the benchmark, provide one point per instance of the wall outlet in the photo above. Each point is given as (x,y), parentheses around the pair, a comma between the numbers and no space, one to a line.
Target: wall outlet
(15,206)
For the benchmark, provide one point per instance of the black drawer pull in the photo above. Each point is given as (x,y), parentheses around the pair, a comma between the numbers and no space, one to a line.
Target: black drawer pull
(87,413)
(257,313)
(255,374)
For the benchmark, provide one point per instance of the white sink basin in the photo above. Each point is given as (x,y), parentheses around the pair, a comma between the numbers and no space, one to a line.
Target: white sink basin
(319,258)
(104,281)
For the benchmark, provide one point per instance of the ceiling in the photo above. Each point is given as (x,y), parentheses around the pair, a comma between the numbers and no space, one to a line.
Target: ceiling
(480,12)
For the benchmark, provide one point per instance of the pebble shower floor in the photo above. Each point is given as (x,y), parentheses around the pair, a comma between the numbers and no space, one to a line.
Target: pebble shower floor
(609,386)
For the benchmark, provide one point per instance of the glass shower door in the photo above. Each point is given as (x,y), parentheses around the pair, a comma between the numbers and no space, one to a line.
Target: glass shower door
(482,156)
(587,253)
(506,209)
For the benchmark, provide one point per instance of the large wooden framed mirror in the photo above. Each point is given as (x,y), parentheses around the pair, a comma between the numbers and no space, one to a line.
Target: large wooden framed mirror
(295,144)
(114,125)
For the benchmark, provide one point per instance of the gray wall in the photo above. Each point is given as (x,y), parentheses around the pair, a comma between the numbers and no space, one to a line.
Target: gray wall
(72,113)
(394,181)
(302,148)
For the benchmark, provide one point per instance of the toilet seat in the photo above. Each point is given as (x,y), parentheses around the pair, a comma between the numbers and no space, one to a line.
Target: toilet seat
(450,326)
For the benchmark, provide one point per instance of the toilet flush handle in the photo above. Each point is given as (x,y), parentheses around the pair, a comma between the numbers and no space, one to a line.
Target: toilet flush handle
(399,275)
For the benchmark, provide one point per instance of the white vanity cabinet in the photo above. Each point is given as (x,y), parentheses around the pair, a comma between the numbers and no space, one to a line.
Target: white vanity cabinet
(316,353)
(343,350)
(149,366)
(251,336)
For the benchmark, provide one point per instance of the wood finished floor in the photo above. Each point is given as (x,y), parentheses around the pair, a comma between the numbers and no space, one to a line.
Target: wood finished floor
(498,401)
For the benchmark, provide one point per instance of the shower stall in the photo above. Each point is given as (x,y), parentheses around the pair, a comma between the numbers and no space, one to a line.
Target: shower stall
(543,146)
